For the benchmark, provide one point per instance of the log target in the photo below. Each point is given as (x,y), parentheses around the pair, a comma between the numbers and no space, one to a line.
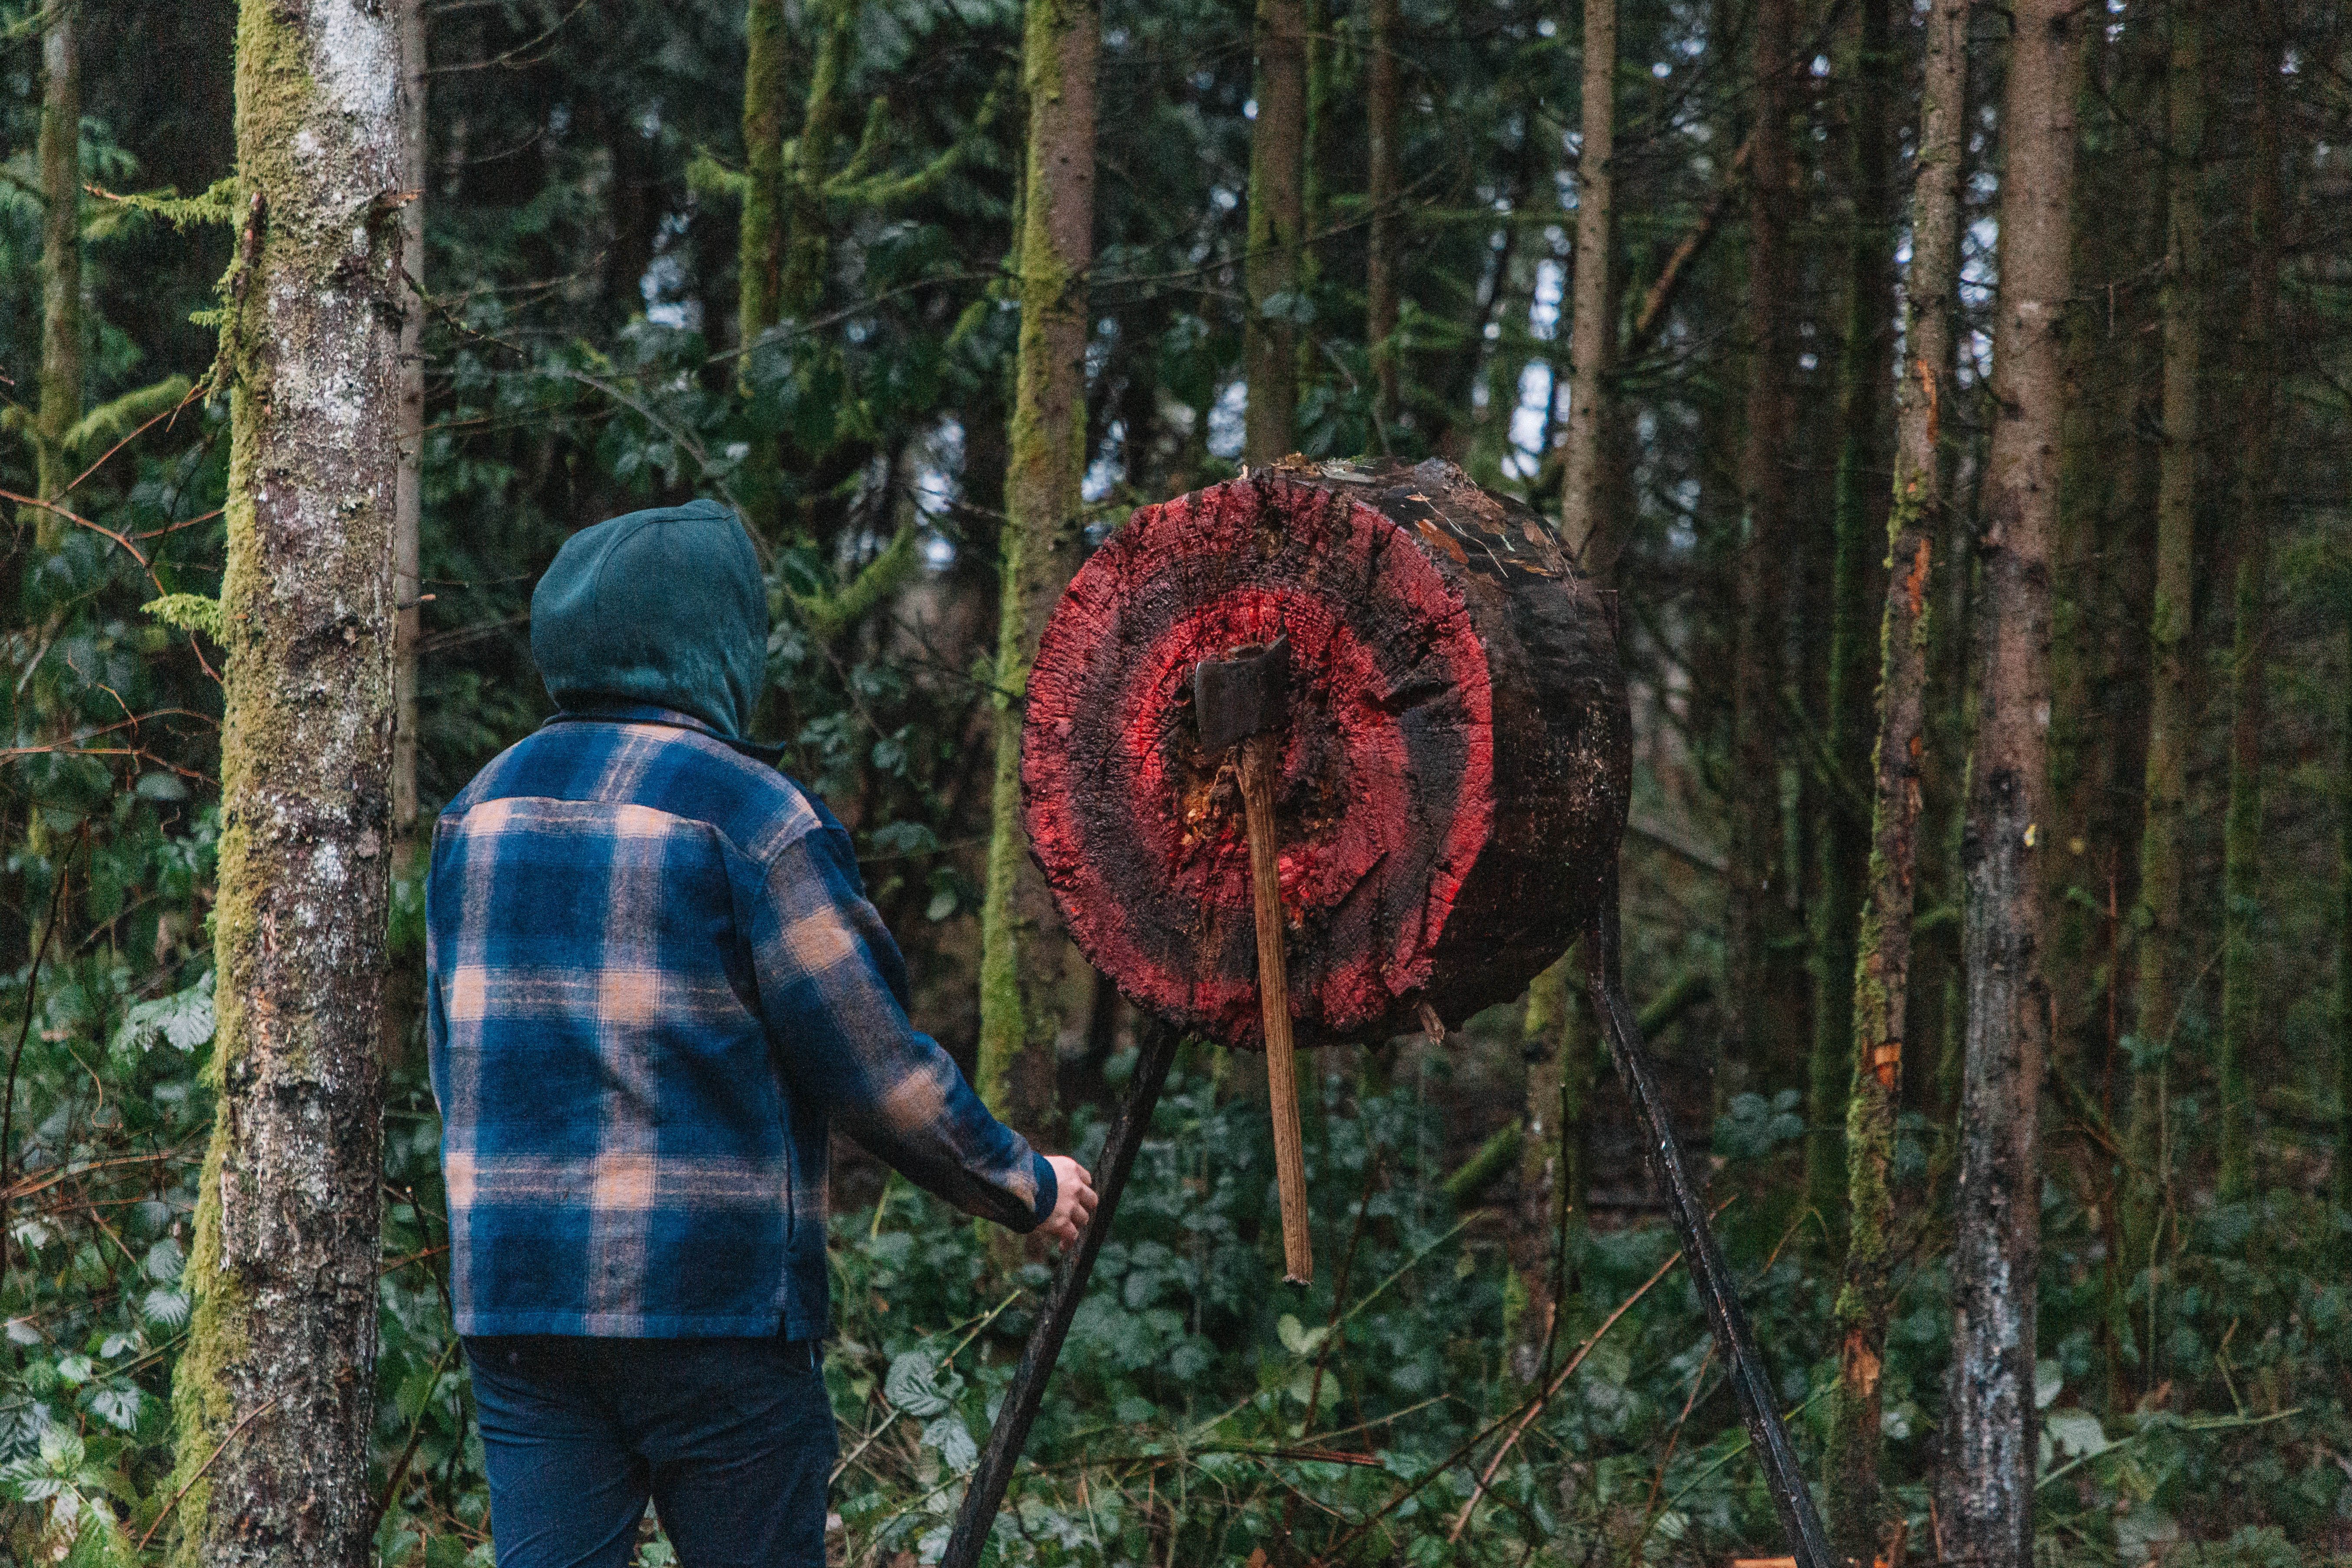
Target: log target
(1453,781)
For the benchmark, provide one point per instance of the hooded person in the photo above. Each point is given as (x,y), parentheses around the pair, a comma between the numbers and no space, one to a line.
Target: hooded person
(654,987)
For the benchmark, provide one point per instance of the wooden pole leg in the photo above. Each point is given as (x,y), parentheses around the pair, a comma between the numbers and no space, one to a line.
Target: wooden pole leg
(1156,1048)
(1261,755)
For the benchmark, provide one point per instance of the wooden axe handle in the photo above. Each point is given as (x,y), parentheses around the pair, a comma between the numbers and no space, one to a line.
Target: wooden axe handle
(1261,757)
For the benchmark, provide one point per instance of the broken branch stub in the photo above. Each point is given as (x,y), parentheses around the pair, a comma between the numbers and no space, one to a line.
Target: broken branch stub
(1454,770)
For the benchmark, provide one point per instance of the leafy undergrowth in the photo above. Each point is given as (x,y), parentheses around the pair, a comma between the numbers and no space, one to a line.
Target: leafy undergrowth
(1203,1412)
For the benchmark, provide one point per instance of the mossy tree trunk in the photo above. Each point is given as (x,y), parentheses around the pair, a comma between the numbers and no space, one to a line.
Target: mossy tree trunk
(1882,951)
(807,240)
(2158,959)
(59,151)
(1989,1450)
(274,1394)
(1765,992)
(1382,97)
(2257,503)
(1023,953)
(1276,220)
(760,239)
(408,507)
(59,393)
(783,245)
(1859,516)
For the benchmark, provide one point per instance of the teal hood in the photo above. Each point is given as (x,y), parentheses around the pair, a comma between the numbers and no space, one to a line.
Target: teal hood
(664,608)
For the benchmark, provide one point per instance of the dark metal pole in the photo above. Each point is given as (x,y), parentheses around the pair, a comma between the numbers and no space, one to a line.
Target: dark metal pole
(1155,1049)
(1784,1476)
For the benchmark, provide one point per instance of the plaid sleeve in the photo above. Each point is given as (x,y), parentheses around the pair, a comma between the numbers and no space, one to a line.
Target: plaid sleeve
(831,985)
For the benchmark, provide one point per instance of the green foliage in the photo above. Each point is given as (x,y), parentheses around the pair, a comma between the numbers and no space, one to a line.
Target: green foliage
(191,612)
(216,206)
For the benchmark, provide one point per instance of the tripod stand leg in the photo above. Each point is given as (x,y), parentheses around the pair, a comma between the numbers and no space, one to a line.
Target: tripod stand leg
(1156,1048)
(1733,1340)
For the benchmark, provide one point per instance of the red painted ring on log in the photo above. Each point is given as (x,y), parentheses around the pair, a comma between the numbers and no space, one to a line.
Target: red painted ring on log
(1454,780)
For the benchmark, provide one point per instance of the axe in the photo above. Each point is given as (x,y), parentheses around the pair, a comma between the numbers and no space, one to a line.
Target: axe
(1244,700)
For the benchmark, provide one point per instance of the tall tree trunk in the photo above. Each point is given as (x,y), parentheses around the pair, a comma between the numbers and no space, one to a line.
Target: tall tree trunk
(1584,524)
(1763,1022)
(61,359)
(1559,1039)
(2257,500)
(1381,98)
(759,255)
(1882,967)
(274,1396)
(1023,951)
(2099,672)
(1318,144)
(1859,515)
(808,241)
(1276,199)
(2343,1172)
(59,400)
(408,506)
(784,245)
(2172,720)
(1989,1450)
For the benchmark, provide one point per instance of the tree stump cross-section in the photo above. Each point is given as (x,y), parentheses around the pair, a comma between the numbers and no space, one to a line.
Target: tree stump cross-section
(1453,782)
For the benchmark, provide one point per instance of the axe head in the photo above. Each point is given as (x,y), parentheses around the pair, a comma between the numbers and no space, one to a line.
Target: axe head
(1246,693)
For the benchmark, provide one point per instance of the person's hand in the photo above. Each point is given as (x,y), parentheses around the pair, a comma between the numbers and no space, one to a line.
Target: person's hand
(1074,1200)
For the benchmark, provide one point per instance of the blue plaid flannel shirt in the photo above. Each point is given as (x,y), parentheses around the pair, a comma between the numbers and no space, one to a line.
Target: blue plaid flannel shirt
(653,981)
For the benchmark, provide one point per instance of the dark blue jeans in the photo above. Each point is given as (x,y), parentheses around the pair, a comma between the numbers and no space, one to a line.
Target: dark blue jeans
(732,1439)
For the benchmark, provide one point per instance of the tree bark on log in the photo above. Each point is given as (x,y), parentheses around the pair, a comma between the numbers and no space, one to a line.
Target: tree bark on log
(1989,1452)
(274,1396)
(1455,778)
(1023,952)
(1881,975)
